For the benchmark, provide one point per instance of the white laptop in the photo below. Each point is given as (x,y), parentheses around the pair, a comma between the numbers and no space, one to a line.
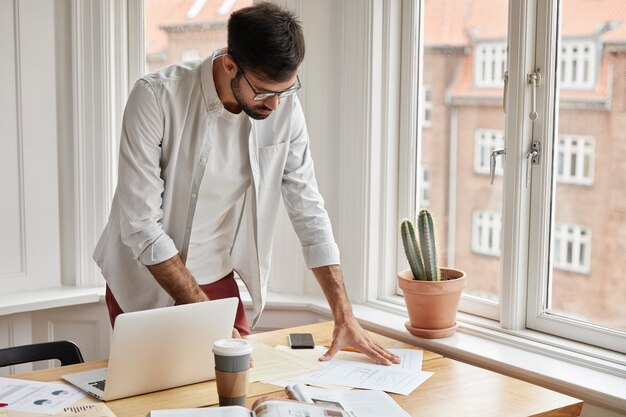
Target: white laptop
(161,348)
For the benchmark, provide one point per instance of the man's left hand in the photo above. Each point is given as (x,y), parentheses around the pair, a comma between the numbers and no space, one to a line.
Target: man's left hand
(349,333)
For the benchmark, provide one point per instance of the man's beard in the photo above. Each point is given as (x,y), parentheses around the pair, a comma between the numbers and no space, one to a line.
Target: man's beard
(250,111)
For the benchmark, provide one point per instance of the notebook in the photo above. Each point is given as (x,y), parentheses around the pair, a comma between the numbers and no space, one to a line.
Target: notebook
(162,348)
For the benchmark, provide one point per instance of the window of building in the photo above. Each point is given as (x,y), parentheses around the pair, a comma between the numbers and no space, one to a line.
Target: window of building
(575,159)
(577,66)
(190,55)
(427,106)
(424,200)
(572,248)
(486,227)
(490,64)
(485,142)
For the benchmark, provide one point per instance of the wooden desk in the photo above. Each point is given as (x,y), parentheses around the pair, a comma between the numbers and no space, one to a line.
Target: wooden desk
(456,389)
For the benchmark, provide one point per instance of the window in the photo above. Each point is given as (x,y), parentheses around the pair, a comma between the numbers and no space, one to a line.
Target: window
(572,247)
(575,159)
(531,226)
(190,55)
(577,64)
(490,64)
(486,233)
(486,141)
(424,200)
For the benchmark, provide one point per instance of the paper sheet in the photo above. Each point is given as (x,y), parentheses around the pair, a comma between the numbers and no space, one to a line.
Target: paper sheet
(367,376)
(410,358)
(273,364)
(37,397)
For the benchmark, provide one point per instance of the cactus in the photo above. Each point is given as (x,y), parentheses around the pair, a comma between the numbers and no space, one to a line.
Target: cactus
(421,253)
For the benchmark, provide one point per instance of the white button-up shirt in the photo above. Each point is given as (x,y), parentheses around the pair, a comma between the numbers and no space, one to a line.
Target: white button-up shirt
(164,149)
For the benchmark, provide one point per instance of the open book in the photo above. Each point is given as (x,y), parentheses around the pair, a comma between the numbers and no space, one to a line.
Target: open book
(268,408)
(358,403)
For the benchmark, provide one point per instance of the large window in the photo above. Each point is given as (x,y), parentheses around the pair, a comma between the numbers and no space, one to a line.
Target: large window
(526,240)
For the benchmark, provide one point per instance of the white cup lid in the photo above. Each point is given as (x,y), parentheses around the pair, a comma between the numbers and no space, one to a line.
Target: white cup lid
(232,347)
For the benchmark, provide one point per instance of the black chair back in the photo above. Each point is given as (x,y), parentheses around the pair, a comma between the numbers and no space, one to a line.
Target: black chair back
(65,351)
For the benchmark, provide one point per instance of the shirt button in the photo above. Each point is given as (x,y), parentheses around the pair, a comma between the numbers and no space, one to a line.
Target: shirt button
(194,195)
(188,230)
(203,159)
(211,123)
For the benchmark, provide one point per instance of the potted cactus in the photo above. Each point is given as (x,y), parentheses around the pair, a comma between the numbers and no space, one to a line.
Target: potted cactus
(431,293)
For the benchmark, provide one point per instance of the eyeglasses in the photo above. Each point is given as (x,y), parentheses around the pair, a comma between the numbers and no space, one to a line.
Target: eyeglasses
(265,95)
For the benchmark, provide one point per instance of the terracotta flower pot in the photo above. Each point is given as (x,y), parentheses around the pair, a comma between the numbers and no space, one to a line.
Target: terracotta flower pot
(432,305)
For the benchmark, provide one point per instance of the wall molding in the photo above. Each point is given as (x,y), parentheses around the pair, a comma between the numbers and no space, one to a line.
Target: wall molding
(99,86)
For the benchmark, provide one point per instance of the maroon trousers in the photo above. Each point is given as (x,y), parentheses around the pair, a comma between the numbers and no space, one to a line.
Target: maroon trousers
(224,288)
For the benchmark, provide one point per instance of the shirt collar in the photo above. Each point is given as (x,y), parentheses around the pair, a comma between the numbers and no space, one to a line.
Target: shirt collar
(211,99)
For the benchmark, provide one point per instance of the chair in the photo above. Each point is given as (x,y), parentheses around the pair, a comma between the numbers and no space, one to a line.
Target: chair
(65,351)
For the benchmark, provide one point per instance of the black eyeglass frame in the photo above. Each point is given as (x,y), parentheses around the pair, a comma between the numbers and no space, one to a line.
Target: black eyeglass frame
(266,95)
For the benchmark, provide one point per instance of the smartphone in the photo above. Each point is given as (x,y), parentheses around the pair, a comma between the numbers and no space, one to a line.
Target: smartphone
(301,341)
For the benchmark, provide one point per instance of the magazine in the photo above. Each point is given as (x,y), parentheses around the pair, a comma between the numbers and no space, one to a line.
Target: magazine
(267,408)
(358,403)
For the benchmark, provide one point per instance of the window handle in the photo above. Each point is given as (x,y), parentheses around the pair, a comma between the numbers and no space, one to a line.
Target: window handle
(534,79)
(492,163)
(532,158)
(506,87)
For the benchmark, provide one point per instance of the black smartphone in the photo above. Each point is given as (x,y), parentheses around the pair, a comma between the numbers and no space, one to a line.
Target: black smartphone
(301,341)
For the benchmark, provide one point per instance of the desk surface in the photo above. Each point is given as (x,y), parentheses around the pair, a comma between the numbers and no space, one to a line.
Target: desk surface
(456,389)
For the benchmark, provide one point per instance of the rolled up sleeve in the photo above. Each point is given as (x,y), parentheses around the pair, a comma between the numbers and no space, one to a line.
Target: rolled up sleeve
(140,185)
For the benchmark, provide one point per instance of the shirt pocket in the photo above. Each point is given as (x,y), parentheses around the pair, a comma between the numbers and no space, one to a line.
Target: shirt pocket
(272,160)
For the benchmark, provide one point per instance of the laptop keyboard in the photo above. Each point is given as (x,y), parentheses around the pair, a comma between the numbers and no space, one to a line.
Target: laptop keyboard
(98,384)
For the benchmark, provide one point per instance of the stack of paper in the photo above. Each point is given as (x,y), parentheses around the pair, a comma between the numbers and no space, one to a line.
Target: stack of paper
(284,366)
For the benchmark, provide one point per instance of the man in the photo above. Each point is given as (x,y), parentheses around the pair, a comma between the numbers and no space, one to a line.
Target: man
(207,150)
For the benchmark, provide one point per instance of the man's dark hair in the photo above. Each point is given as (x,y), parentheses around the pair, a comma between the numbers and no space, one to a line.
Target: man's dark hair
(267,40)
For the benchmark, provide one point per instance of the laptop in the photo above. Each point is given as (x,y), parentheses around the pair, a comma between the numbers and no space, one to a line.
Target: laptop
(162,348)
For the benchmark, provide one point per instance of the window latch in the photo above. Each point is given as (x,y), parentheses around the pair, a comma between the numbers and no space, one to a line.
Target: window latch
(534,79)
(532,158)
(492,163)
(505,78)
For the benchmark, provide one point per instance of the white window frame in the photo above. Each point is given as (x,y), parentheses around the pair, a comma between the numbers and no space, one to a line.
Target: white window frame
(538,316)
(486,232)
(489,64)
(577,147)
(524,280)
(577,66)
(486,141)
(571,239)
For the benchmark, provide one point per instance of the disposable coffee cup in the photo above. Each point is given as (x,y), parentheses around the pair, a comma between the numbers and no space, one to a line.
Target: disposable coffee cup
(232,365)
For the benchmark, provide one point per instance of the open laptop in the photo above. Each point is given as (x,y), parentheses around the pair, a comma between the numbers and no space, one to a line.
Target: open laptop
(161,348)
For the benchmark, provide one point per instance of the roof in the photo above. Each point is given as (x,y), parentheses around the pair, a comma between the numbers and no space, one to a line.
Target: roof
(163,14)
(484,20)
(461,22)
